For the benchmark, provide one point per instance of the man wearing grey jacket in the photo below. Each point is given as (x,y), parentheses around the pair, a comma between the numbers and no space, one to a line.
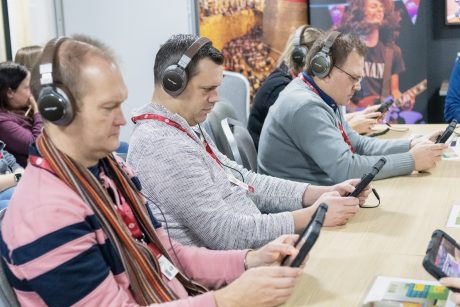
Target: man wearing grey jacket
(206,199)
(305,137)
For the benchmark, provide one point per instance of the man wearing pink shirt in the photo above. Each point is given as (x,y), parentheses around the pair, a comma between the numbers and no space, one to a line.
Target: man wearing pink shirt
(78,231)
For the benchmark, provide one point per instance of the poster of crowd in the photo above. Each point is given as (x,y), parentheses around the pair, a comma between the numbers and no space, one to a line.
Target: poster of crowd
(251,33)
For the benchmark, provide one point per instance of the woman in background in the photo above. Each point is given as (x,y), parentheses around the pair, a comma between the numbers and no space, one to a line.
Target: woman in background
(20,121)
(28,56)
(288,68)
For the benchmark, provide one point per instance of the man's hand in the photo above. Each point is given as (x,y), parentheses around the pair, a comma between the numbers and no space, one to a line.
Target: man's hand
(259,287)
(340,209)
(452,282)
(431,138)
(348,186)
(426,154)
(273,252)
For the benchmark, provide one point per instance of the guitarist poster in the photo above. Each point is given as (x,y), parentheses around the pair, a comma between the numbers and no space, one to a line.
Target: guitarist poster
(393,33)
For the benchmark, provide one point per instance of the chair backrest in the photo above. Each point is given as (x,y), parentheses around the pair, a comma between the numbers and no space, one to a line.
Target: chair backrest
(122,150)
(239,145)
(235,88)
(212,125)
(7,296)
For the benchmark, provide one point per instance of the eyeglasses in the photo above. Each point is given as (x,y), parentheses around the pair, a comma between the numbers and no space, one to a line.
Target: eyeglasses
(355,80)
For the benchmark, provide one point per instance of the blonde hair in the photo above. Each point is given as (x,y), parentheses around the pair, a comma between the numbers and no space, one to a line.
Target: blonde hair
(310,35)
(28,56)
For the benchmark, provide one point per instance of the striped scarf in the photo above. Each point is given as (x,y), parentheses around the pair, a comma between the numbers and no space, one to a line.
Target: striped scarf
(141,265)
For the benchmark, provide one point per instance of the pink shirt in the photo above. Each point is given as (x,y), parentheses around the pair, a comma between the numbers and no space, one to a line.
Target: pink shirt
(44,206)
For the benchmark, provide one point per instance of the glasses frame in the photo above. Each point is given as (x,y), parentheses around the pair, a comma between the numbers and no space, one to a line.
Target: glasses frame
(356,80)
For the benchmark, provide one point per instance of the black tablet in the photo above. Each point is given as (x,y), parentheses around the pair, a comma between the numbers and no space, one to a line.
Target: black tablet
(367,178)
(447,133)
(442,258)
(308,237)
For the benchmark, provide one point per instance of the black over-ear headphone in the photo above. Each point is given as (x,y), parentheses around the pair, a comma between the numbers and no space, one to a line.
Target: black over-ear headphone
(321,63)
(55,101)
(300,51)
(174,79)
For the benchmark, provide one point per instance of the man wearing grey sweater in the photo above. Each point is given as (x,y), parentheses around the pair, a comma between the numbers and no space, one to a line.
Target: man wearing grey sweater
(305,137)
(206,199)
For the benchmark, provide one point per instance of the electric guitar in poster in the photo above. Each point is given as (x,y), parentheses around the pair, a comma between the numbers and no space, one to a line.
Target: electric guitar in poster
(413,91)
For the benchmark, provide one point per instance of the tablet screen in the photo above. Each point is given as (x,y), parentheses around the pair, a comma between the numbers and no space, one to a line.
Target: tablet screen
(448,259)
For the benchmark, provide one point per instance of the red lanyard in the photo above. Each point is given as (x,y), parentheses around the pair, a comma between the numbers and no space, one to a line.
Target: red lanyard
(344,134)
(41,163)
(309,84)
(175,125)
(346,139)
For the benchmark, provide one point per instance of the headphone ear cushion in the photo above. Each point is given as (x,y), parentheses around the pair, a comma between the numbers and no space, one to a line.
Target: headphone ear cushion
(298,55)
(54,106)
(174,80)
(321,65)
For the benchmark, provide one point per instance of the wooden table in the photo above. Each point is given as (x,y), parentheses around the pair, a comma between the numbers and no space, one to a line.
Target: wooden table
(390,240)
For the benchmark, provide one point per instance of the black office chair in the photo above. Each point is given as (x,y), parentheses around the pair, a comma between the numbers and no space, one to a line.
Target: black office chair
(239,145)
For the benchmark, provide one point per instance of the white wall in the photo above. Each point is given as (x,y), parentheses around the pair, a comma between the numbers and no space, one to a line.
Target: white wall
(135,30)
(32,22)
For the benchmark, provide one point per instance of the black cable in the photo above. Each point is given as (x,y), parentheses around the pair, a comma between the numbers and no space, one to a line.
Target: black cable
(376,196)
(167,230)
(236,170)
(110,175)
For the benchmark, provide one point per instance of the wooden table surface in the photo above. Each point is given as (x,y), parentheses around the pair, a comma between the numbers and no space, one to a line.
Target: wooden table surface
(389,240)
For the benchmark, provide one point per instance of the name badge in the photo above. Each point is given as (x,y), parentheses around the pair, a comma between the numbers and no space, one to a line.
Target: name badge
(167,268)
(241,184)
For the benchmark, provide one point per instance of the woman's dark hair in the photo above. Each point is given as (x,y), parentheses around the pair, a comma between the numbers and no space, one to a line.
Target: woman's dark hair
(11,76)
(353,21)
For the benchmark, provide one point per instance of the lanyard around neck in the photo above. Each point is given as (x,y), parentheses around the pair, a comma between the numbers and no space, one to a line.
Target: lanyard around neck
(344,134)
(176,125)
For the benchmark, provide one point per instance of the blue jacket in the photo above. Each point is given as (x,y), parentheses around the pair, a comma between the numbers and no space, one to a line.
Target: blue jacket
(452,105)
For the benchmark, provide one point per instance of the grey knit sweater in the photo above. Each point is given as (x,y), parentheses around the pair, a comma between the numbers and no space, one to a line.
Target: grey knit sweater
(200,205)
(301,141)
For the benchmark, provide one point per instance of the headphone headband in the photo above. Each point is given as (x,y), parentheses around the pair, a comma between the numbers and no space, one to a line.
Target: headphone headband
(174,79)
(55,102)
(321,63)
(299,52)
(331,37)
(192,51)
(298,35)
(49,70)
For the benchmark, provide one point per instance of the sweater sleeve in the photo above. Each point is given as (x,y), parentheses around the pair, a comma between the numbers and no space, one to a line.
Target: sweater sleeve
(12,164)
(213,269)
(314,131)
(452,107)
(18,137)
(271,194)
(372,146)
(177,176)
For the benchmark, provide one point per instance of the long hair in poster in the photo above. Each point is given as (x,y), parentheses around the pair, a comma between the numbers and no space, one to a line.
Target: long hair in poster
(393,33)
